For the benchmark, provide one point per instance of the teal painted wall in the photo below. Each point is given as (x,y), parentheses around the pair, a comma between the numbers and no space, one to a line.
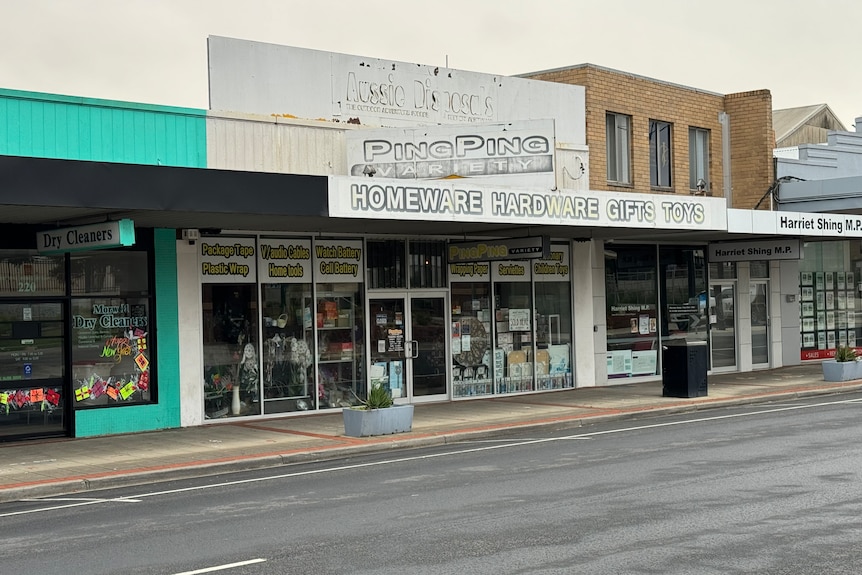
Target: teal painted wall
(73,128)
(166,413)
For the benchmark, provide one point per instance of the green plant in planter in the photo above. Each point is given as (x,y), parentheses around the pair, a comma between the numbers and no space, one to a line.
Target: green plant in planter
(378,398)
(845,353)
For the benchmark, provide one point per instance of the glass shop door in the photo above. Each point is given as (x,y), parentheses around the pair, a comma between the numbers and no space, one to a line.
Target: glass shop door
(33,391)
(408,345)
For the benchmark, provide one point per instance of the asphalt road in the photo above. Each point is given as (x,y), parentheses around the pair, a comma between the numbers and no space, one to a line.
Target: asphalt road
(767,489)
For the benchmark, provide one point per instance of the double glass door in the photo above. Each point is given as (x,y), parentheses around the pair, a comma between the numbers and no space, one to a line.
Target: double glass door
(408,345)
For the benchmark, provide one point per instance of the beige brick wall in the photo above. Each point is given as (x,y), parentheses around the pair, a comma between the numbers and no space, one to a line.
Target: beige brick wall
(646,99)
(752,140)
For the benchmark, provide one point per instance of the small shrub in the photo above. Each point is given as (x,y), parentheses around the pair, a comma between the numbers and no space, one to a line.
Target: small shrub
(378,398)
(845,353)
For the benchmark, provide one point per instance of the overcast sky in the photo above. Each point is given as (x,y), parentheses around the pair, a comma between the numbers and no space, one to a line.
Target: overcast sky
(155,50)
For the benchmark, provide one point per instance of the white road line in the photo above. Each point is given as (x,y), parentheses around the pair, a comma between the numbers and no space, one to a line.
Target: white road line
(53,508)
(509,440)
(444,454)
(92,499)
(221,567)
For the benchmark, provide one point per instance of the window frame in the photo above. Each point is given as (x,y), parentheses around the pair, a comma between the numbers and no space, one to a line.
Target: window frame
(618,150)
(656,127)
(698,158)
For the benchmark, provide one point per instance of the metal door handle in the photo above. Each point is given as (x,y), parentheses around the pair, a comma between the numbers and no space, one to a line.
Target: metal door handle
(414,349)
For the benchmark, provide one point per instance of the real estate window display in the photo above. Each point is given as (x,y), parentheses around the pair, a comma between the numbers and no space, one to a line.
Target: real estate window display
(829,297)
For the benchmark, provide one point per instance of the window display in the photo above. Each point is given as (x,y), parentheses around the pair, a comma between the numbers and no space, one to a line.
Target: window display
(339,326)
(472,351)
(631,292)
(111,329)
(228,272)
(829,290)
(553,320)
(339,322)
(231,373)
(288,324)
(513,324)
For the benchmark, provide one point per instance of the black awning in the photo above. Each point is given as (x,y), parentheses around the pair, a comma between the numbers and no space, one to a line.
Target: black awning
(26,181)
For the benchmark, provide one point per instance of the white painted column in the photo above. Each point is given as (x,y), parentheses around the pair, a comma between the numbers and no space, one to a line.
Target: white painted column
(584,293)
(191,336)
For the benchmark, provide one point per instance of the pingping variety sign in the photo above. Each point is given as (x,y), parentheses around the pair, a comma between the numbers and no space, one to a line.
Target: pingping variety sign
(519,153)
(537,247)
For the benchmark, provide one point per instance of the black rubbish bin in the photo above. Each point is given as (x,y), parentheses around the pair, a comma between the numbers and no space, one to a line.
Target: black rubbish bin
(683,369)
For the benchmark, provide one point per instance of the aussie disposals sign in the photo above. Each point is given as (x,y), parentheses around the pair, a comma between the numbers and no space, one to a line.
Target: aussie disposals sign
(261,78)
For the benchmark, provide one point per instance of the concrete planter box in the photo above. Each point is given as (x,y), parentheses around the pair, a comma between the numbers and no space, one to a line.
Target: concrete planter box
(841,370)
(365,422)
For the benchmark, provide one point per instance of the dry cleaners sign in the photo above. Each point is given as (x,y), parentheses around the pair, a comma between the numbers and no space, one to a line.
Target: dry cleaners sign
(92,237)
(457,201)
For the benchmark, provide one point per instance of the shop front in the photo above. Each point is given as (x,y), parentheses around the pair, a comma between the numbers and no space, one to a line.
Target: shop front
(76,316)
(298,324)
(656,296)
(830,297)
(283,324)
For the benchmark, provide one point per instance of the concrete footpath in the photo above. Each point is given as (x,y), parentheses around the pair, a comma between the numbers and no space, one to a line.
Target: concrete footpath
(62,466)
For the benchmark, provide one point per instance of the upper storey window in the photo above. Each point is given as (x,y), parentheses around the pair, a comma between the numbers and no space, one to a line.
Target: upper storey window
(619,148)
(660,160)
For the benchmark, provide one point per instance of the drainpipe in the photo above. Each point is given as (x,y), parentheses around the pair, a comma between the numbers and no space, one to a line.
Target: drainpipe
(724,120)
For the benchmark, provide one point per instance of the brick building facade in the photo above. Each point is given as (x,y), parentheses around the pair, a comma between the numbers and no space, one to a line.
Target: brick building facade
(645,103)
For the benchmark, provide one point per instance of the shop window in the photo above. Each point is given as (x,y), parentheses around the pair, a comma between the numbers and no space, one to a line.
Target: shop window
(685,310)
(230,350)
(513,324)
(830,280)
(698,160)
(553,320)
(111,329)
(618,149)
(473,356)
(288,347)
(427,264)
(340,321)
(632,319)
(24,273)
(660,156)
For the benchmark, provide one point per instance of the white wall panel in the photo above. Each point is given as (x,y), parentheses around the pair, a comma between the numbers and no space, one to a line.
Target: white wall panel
(255,143)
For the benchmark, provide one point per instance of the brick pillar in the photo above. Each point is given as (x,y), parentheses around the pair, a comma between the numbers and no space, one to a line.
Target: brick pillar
(752,140)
